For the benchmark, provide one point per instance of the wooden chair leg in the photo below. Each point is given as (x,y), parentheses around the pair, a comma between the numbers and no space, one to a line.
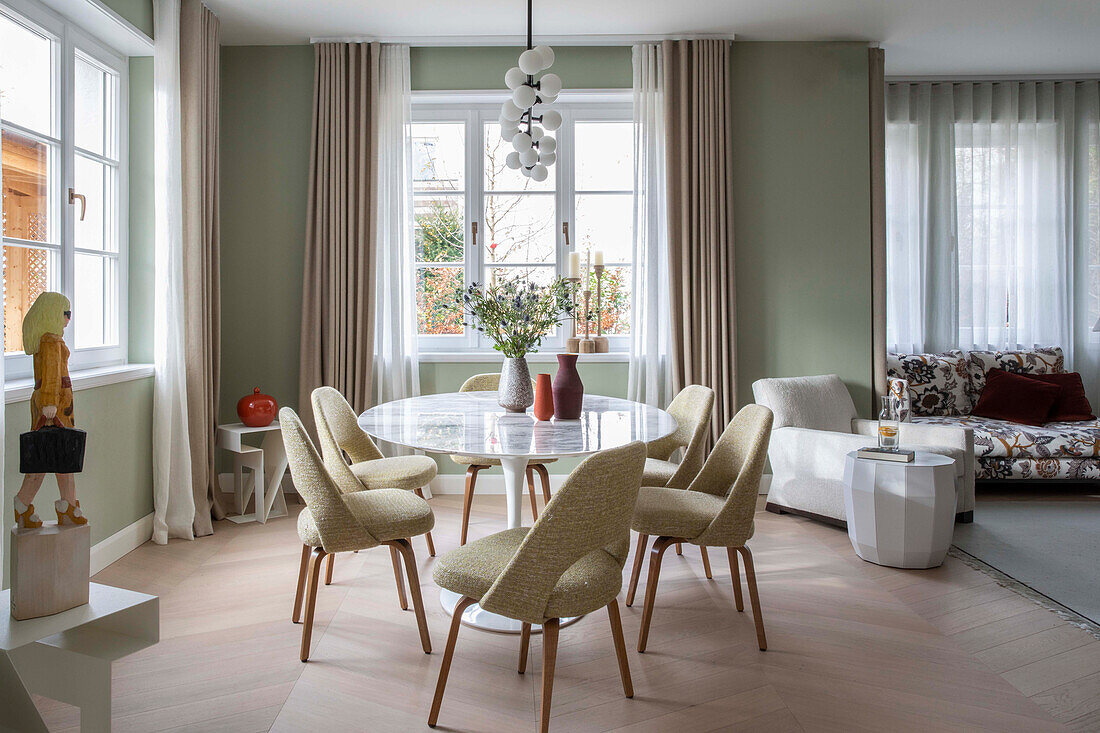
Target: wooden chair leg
(406,549)
(328,569)
(524,644)
(468,500)
(549,659)
(679,548)
(639,555)
(427,535)
(531,492)
(545,476)
(448,655)
(706,562)
(299,593)
(315,559)
(397,575)
(735,576)
(659,546)
(620,646)
(754,597)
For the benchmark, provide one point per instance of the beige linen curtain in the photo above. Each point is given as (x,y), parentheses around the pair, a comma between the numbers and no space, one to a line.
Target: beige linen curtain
(338,296)
(700,219)
(199,99)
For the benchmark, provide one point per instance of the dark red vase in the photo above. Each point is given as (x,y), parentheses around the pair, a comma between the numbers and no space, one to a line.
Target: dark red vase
(257,410)
(544,397)
(568,389)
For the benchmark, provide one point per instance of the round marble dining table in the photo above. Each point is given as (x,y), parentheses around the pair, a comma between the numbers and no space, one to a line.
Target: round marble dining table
(473,424)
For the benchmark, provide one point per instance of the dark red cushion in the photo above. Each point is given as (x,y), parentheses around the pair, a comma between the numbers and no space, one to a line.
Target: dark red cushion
(1016,398)
(1072,404)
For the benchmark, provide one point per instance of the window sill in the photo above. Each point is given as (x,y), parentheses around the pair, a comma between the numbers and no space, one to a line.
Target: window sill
(19,390)
(494,357)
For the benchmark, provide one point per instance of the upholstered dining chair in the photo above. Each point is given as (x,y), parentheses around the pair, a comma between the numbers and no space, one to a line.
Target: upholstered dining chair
(340,434)
(474,464)
(347,521)
(692,409)
(568,564)
(716,510)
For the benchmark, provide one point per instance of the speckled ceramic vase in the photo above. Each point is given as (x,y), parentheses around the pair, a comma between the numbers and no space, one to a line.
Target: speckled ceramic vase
(515,393)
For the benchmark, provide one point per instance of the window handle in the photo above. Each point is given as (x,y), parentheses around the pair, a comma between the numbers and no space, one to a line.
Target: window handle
(565,231)
(73,196)
(473,230)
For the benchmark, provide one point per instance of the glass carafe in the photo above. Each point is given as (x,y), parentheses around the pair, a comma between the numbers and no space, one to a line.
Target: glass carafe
(888,425)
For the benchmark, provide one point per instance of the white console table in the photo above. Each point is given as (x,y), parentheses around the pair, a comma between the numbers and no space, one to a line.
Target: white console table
(68,656)
(266,465)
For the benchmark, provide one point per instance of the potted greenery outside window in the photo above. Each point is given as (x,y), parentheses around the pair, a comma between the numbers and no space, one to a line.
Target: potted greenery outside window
(516,317)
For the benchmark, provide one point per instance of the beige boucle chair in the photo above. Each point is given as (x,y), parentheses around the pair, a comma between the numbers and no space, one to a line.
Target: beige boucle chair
(490,383)
(341,521)
(568,564)
(340,434)
(692,409)
(716,510)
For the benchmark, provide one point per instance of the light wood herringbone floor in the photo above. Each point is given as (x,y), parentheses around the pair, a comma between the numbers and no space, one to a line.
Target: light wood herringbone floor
(852,647)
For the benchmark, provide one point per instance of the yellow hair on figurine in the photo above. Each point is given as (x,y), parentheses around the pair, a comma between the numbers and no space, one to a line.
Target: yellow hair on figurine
(46,315)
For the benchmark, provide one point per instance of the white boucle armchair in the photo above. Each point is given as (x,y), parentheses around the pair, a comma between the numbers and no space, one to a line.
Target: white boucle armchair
(816,426)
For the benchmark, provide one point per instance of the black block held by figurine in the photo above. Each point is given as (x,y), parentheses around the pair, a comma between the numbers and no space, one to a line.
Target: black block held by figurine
(52,449)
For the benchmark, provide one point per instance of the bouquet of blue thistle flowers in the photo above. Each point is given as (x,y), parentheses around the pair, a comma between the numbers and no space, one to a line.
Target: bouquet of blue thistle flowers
(516,315)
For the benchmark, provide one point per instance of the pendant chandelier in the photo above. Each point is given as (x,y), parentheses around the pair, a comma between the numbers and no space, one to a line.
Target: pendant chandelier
(526,117)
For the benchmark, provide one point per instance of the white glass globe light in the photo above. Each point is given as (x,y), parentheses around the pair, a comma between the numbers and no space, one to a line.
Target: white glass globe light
(539,173)
(509,111)
(547,100)
(508,130)
(529,157)
(526,172)
(550,85)
(521,141)
(548,144)
(515,77)
(512,161)
(548,159)
(537,133)
(523,96)
(551,119)
(530,62)
(547,55)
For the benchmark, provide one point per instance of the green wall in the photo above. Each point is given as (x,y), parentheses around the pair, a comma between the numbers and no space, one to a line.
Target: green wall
(802,213)
(457,68)
(138,12)
(140,262)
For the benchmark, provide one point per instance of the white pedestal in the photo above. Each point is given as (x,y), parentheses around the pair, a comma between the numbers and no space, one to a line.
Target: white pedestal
(900,514)
(265,465)
(68,656)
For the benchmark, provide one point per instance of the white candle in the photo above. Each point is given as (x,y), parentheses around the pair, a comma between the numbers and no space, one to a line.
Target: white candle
(598,259)
(574,265)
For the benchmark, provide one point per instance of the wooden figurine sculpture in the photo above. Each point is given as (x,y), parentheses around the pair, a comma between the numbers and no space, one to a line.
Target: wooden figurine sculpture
(51,403)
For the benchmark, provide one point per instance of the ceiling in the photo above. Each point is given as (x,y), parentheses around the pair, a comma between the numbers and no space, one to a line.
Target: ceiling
(921,37)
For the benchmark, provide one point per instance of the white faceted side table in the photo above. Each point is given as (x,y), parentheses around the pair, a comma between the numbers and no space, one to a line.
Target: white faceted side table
(900,514)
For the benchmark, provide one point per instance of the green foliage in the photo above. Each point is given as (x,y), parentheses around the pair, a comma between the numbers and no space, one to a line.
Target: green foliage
(439,233)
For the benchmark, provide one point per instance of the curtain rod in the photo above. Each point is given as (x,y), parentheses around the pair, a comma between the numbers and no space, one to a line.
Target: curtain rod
(963,79)
(521,40)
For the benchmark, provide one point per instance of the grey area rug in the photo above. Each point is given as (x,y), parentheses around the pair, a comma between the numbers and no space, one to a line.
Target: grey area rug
(1051,547)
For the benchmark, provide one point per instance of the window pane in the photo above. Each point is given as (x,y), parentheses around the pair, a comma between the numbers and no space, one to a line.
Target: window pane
(541,276)
(519,228)
(606,222)
(439,225)
(91,101)
(614,300)
(436,289)
(26,77)
(604,156)
(95,307)
(26,210)
(498,176)
(439,156)
(95,181)
(28,272)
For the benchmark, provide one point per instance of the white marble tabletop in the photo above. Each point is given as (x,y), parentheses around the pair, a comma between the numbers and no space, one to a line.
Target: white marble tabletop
(472,423)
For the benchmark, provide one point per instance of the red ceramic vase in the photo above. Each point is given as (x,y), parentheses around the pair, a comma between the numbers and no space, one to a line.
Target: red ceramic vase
(544,397)
(568,389)
(257,410)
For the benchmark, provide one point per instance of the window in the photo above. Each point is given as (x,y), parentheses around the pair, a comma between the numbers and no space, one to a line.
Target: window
(62,116)
(475,220)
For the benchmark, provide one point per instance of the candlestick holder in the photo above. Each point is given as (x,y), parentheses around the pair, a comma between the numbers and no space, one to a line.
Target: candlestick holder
(602,344)
(572,343)
(587,345)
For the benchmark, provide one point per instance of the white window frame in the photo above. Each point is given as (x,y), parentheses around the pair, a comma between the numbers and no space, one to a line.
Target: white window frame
(68,40)
(475,110)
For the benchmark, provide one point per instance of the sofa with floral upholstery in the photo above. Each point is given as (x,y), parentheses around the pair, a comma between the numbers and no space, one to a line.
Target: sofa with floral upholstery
(942,389)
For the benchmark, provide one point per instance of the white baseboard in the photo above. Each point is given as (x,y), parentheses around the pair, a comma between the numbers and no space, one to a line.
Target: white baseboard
(487,483)
(114,547)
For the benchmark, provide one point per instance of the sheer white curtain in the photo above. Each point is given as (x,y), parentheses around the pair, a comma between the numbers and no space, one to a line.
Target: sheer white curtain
(173,498)
(991,214)
(649,376)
